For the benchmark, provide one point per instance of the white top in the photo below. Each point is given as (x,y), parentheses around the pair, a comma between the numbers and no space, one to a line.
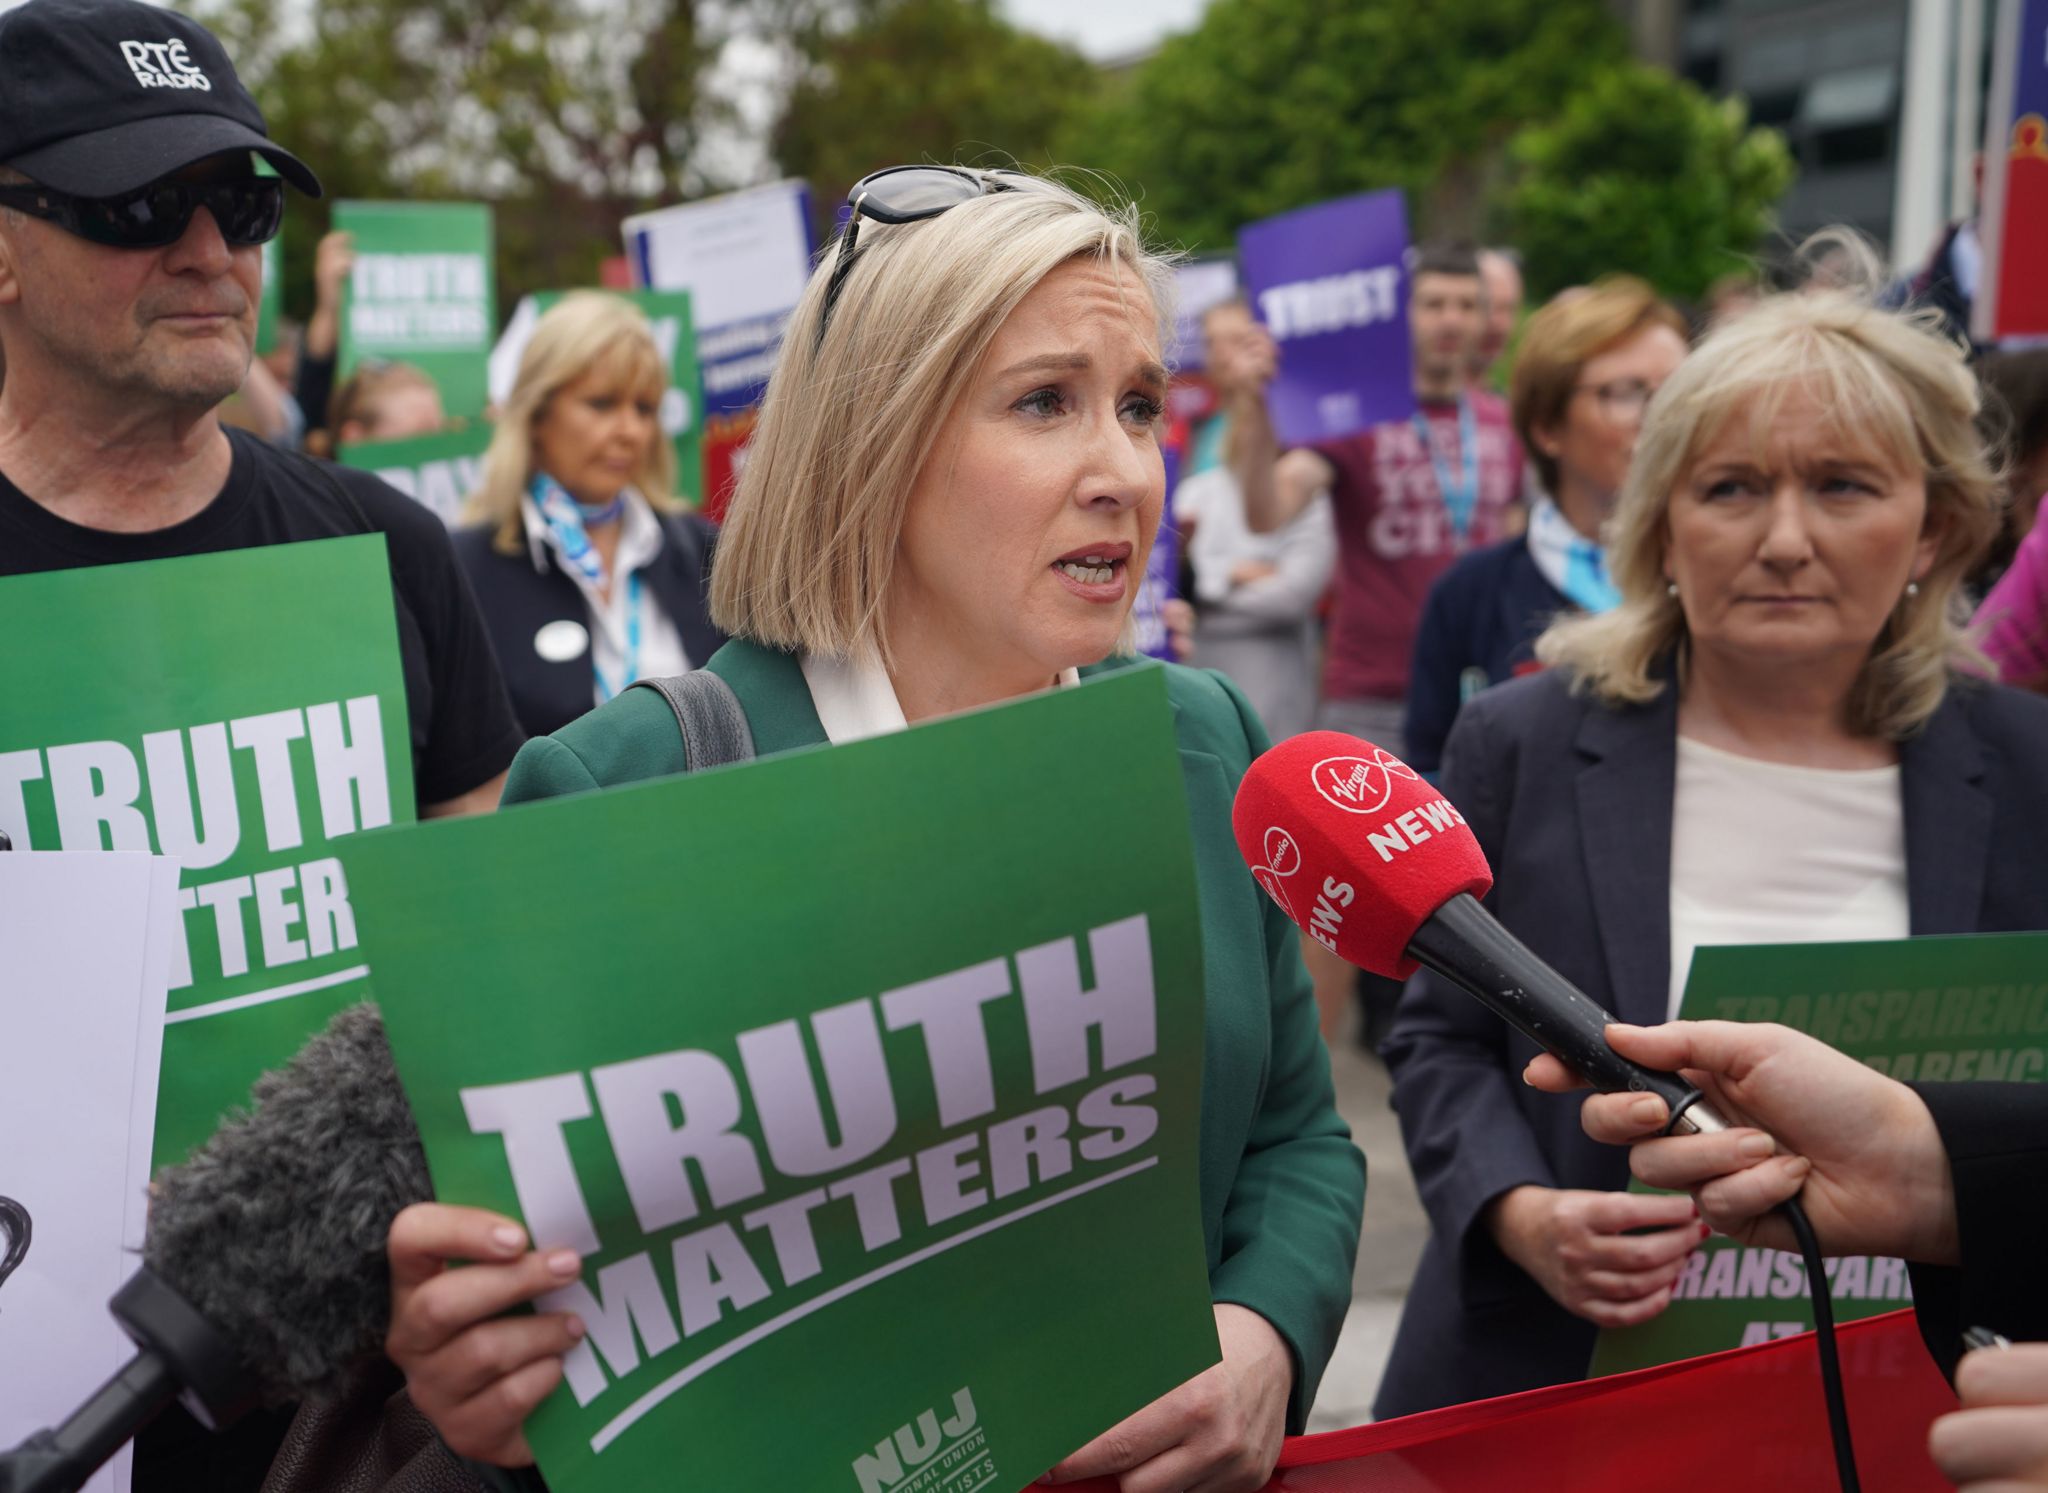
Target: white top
(661,646)
(1303,552)
(855,700)
(1763,852)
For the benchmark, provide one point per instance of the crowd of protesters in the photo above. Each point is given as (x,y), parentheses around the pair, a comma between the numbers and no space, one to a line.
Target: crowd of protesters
(1679,623)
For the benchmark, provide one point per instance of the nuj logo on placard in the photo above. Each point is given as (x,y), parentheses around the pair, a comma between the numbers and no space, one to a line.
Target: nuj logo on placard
(1360,785)
(931,1453)
(164,64)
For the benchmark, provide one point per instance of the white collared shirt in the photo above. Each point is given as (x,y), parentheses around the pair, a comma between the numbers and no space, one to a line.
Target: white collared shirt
(855,700)
(606,625)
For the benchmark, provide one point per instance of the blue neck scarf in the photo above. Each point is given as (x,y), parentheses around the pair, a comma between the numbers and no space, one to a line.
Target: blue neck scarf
(1569,560)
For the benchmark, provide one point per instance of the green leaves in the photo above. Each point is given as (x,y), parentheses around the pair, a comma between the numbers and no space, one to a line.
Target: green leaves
(1641,172)
(925,80)
(1275,104)
(567,115)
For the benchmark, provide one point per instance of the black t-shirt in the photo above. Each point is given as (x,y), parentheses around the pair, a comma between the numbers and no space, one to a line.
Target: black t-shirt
(463,730)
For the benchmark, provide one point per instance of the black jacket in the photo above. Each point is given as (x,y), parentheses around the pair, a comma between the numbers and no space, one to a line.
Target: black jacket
(1996,1136)
(1572,804)
(518,600)
(1484,613)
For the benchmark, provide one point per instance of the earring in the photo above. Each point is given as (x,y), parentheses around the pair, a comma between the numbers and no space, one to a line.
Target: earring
(1671,589)
(1912,588)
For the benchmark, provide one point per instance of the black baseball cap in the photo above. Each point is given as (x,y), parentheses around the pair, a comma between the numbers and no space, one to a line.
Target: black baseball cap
(99,97)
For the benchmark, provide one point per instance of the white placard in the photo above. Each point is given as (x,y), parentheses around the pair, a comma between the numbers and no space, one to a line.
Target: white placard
(85,950)
(740,256)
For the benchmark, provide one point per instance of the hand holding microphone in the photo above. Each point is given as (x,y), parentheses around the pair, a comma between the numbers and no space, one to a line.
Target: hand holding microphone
(1377,866)
(1862,1146)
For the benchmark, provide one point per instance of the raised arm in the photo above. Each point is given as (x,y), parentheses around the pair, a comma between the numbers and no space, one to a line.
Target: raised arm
(1276,488)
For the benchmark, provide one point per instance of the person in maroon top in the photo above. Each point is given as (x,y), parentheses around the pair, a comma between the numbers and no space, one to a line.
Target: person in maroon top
(1410,496)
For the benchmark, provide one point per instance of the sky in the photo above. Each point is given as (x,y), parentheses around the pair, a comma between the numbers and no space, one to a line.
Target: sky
(1105,30)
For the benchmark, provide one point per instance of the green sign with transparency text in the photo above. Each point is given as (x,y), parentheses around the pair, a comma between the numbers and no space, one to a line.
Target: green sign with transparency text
(865,1079)
(1953,1008)
(241,712)
(422,291)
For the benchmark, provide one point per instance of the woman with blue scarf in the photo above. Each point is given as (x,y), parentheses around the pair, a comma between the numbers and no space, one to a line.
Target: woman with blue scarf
(590,573)
(1588,364)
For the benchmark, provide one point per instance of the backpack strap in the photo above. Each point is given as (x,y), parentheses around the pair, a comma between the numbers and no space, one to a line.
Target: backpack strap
(714,726)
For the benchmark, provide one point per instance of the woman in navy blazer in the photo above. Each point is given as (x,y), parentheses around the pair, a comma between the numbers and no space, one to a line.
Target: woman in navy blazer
(1775,736)
(589,571)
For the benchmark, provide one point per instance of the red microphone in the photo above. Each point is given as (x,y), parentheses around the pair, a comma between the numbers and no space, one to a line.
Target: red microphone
(1376,865)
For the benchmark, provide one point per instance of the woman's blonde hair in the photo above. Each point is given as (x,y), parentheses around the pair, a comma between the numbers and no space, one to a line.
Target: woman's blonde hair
(586,332)
(809,543)
(356,397)
(1877,376)
(1562,338)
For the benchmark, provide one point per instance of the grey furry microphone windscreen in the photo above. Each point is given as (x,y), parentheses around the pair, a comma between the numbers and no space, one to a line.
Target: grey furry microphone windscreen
(274,1230)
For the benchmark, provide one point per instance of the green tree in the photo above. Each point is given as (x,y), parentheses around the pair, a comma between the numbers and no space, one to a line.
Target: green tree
(899,82)
(1642,172)
(1270,105)
(567,115)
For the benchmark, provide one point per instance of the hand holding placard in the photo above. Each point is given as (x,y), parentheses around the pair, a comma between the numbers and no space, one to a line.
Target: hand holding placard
(914,1152)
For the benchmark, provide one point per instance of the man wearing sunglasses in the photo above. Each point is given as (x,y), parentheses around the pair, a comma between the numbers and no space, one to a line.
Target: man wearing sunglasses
(131,226)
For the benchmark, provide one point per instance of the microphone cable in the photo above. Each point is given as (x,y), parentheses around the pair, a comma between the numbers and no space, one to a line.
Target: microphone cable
(1824,1340)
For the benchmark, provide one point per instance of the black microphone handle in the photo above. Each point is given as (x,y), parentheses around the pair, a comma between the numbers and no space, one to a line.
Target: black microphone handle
(1465,944)
(180,1355)
(61,1461)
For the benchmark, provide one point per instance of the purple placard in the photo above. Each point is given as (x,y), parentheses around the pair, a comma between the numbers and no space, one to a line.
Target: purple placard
(1162,575)
(1330,284)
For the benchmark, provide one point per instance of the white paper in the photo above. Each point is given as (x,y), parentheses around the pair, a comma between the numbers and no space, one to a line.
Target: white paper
(740,256)
(85,948)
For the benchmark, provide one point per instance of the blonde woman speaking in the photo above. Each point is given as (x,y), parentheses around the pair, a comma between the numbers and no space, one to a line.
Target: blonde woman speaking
(948,503)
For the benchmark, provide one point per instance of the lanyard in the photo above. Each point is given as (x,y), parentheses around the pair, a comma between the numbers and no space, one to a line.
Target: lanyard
(630,664)
(1462,497)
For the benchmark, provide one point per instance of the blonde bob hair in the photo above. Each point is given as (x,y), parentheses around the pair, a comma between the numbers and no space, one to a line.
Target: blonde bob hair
(808,546)
(586,332)
(1885,379)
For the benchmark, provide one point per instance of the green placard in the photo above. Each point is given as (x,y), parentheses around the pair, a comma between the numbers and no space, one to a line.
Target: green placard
(1948,1008)
(668,311)
(271,304)
(243,712)
(924,1012)
(422,292)
(440,471)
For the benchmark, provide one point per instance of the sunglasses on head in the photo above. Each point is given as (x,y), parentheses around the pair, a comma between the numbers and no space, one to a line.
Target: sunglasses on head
(247,209)
(906,194)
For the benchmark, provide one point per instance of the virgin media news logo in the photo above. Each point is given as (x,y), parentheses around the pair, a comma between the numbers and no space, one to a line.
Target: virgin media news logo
(1360,785)
(163,64)
(1283,859)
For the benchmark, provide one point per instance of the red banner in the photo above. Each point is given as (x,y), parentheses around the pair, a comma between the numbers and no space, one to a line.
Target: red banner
(2012,300)
(1746,1420)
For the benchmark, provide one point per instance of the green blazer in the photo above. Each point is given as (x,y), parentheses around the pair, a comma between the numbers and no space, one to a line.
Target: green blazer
(1283,1188)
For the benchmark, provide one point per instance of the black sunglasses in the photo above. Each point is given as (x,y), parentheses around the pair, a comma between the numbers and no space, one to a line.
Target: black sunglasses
(905,194)
(248,210)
